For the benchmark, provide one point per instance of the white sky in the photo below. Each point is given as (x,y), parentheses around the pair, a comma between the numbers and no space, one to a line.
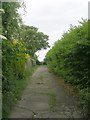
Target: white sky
(53,17)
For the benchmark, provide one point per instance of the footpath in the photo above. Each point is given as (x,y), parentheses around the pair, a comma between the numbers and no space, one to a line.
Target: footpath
(45,98)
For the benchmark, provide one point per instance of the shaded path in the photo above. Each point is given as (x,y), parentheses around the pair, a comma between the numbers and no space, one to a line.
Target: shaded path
(44,98)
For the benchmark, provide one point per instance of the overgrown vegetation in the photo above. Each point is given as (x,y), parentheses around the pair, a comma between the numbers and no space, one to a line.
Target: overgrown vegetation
(17,49)
(69,59)
(11,97)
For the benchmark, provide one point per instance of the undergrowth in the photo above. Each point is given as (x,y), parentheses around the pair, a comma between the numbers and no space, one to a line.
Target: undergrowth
(11,98)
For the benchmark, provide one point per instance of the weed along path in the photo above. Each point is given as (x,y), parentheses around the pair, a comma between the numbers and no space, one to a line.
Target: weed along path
(44,97)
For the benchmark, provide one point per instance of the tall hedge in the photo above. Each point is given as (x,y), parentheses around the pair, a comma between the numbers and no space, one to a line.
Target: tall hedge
(14,58)
(69,59)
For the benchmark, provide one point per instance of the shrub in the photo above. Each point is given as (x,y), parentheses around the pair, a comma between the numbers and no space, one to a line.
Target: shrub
(69,58)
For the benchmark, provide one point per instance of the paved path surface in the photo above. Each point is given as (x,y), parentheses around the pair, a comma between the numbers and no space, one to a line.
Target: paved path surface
(45,98)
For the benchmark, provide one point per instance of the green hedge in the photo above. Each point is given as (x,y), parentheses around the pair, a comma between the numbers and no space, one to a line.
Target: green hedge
(69,59)
(14,74)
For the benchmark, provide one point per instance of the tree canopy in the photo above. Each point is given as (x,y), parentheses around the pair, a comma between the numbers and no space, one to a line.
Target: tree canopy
(33,39)
(11,20)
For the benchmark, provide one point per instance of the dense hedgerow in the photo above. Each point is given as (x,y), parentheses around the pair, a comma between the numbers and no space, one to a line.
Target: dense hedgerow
(15,53)
(69,59)
(14,58)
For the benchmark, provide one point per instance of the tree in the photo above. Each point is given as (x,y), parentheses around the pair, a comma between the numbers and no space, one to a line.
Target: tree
(34,39)
(11,20)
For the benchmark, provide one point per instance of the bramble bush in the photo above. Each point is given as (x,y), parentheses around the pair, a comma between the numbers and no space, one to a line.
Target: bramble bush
(69,59)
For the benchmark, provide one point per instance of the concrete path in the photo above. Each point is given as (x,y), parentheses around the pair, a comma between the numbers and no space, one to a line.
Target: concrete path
(45,98)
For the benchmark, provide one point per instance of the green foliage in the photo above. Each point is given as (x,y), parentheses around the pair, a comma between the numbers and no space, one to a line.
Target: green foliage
(69,58)
(11,20)
(33,39)
(13,62)
(14,73)
(11,98)
(21,40)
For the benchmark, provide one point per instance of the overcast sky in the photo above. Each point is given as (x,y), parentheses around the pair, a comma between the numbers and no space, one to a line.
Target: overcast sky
(53,17)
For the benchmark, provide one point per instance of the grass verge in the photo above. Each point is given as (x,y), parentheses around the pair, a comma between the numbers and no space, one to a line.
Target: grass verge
(10,99)
(52,102)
